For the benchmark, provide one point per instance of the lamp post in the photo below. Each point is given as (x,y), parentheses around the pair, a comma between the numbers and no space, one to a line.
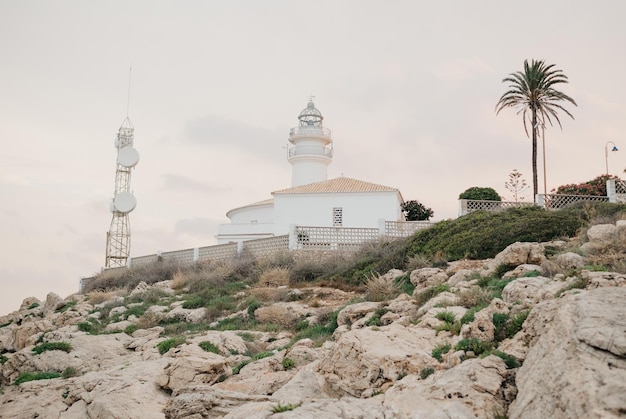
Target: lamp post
(606,154)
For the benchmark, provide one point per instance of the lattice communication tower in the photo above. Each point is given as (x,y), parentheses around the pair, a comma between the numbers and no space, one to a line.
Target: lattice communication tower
(123,202)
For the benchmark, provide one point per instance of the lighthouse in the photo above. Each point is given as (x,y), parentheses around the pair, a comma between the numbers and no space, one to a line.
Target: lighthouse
(310,150)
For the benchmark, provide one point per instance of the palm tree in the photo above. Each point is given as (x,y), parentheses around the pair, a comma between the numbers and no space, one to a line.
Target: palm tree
(532,92)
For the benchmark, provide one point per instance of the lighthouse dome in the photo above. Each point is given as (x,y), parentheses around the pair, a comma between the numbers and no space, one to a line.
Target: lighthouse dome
(310,116)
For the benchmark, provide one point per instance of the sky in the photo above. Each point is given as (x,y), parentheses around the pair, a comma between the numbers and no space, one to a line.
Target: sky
(407,87)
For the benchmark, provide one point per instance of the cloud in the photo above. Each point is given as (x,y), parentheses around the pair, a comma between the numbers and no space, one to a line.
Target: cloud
(462,69)
(213,130)
(177,183)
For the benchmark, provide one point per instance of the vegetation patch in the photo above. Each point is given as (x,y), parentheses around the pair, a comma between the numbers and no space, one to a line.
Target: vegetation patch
(474,345)
(284,407)
(426,372)
(32,376)
(6,324)
(170,343)
(440,350)
(3,359)
(375,319)
(209,347)
(424,296)
(52,346)
(33,305)
(65,307)
(288,364)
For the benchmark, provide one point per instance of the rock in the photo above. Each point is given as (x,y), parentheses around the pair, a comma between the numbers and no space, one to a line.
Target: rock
(118,326)
(364,359)
(570,260)
(575,366)
(521,270)
(444,298)
(53,303)
(482,327)
(188,315)
(461,275)
(532,290)
(28,302)
(262,377)
(209,402)
(516,254)
(450,394)
(604,279)
(601,232)
(140,288)
(283,313)
(428,277)
(190,365)
(354,312)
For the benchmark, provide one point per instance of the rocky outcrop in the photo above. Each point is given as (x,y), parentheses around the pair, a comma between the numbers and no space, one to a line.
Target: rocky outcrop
(576,365)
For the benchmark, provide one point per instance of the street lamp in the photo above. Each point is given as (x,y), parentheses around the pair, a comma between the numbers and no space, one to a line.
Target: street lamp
(606,154)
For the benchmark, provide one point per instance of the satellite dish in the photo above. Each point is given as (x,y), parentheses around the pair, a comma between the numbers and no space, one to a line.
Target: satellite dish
(125,202)
(128,157)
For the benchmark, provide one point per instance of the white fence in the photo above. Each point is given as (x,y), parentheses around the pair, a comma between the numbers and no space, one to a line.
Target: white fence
(616,192)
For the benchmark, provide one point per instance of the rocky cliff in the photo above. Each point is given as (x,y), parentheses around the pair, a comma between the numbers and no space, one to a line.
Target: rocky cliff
(546,339)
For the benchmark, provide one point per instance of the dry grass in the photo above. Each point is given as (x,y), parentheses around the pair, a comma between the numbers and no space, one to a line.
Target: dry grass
(417,262)
(269,295)
(610,254)
(100,296)
(474,297)
(381,288)
(274,277)
(275,315)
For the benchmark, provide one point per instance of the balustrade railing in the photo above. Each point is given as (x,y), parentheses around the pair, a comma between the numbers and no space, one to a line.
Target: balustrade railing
(333,238)
(404,228)
(554,201)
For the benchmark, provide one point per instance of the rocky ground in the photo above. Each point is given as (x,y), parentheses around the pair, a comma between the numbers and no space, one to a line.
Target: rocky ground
(553,346)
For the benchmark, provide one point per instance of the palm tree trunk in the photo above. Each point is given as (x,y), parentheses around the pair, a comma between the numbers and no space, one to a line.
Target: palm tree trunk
(534,122)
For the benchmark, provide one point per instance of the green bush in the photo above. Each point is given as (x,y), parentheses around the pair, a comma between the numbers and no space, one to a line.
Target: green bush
(33,305)
(209,347)
(468,317)
(170,343)
(477,193)
(52,346)
(483,234)
(130,329)
(6,324)
(510,361)
(375,319)
(284,407)
(425,372)
(440,350)
(474,345)
(69,372)
(32,376)
(446,316)
(3,359)
(288,363)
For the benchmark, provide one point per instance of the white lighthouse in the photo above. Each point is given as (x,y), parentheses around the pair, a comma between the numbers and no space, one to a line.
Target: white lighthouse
(311,151)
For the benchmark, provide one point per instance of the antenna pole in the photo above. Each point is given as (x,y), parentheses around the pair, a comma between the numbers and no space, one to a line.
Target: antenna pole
(130,69)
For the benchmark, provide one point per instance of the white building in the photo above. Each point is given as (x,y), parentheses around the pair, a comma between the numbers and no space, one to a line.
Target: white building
(313,200)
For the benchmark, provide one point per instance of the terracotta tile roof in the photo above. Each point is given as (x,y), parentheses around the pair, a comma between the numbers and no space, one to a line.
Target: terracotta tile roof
(340,184)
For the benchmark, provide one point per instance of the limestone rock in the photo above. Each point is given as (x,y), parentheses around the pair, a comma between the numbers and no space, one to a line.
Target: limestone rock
(428,277)
(570,260)
(575,365)
(53,302)
(365,359)
(604,279)
(532,290)
(522,270)
(209,402)
(354,312)
(449,394)
(262,377)
(517,254)
(190,365)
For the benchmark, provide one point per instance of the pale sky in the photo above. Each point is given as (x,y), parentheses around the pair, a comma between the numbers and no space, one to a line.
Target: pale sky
(407,87)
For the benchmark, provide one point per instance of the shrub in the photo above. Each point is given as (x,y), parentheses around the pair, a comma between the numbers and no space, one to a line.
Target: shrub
(52,346)
(69,372)
(468,317)
(168,344)
(284,407)
(425,372)
(446,316)
(209,347)
(510,361)
(381,288)
(440,350)
(405,284)
(375,319)
(483,234)
(3,359)
(288,363)
(474,345)
(32,376)
(6,324)
(480,194)
(416,211)
(594,187)
(130,329)
(275,277)
(33,305)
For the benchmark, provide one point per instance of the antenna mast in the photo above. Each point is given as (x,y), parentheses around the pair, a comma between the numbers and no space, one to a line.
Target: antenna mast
(123,202)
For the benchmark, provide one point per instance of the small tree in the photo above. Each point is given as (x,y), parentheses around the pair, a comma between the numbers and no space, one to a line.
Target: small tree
(516,185)
(415,211)
(480,194)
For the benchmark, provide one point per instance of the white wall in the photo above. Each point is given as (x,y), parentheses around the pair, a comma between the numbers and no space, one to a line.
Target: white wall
(359,209)
(252,213)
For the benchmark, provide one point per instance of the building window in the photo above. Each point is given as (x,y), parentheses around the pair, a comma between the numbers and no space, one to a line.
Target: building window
(337,217)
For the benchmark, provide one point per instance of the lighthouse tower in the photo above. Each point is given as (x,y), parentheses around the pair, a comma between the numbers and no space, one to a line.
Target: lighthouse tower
(310,151)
